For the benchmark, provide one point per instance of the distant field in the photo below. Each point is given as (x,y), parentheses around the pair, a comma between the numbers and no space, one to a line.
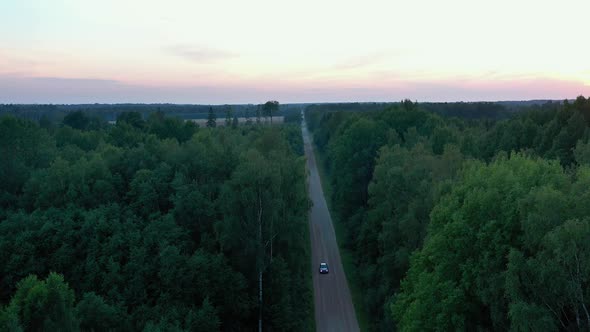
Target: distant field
(221,122)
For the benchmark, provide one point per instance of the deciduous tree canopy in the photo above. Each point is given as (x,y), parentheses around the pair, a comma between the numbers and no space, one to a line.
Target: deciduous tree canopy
(463,223)
(151,225)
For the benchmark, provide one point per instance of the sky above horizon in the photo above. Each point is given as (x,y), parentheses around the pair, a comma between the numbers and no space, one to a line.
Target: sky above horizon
(218,52)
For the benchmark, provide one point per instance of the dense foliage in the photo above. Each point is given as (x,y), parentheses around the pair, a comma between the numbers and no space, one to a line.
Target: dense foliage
(467,110)
(462,223)
(153,225)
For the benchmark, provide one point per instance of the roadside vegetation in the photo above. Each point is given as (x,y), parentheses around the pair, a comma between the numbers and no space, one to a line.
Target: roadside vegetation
(461,222)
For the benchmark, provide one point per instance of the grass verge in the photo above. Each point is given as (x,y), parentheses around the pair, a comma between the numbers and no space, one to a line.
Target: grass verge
(345,254)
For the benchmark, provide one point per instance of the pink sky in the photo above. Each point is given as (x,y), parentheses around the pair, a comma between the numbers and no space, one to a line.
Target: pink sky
(183,51)
(59,90)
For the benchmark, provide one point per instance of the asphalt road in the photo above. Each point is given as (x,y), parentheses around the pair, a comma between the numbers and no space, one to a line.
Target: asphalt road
(334,310)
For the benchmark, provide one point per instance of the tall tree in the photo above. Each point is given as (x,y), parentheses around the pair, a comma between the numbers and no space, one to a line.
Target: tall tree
(258,114)
(249,217)
(42,305)
(235,122)
(77,120)
(132,118)
(270,107)
(228,116)
(211,119)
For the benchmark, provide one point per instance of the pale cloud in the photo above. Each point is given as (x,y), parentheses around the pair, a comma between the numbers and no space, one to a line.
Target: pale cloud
(371,59)
(200,54)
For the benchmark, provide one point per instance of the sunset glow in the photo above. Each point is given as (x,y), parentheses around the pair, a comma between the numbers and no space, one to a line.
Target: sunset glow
(298,51)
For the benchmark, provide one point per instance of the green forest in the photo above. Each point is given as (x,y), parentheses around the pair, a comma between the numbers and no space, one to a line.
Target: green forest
(463,223)
(152,224)
(458,216)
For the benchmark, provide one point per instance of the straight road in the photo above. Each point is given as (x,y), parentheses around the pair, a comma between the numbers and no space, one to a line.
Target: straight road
(334,310)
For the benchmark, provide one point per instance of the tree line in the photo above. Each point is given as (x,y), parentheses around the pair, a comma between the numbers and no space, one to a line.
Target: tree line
(462,223)
(152,225)
(55,113)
